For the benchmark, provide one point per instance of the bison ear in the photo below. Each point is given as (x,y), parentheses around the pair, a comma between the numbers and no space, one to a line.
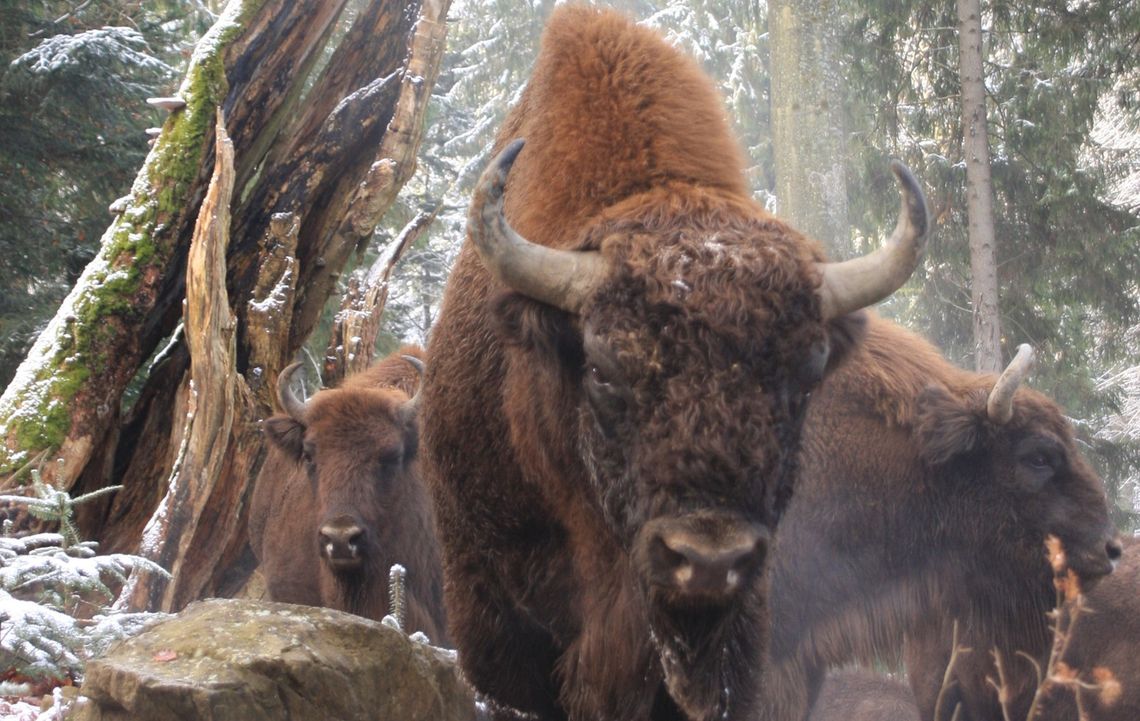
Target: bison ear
(538,328)
(947,426)
(285,433)
(845,333)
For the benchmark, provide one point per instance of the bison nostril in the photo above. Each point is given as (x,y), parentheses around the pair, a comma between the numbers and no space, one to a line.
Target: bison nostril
(691,567)
(341,542)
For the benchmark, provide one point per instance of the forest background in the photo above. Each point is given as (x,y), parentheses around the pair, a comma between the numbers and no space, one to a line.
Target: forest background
(1062,82)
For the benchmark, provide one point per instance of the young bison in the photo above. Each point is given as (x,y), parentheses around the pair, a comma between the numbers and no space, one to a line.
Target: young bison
(340,500)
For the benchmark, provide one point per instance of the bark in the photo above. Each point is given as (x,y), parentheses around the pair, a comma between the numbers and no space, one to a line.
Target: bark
(65,397)
(307,193)
(979,191)
(807,121)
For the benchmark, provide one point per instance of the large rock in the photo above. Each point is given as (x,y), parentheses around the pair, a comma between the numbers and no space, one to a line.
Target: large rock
(222,660)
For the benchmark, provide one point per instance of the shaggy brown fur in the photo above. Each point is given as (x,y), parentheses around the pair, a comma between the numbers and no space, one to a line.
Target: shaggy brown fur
(355,456)
(554,442)
(1103,647)
(912,505)
(857,695)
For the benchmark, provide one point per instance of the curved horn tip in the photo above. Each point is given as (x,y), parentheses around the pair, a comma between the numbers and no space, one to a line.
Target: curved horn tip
(850,285)
(415,363)
(289,402)
(913,198)
(509,154)
(494,179)
(999,405)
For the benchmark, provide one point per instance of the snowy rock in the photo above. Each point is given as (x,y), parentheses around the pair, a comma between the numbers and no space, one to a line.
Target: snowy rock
(243,660)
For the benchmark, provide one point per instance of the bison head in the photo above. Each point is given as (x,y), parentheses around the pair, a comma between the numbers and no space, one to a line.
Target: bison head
(357,446)
(1013,454)
(680,345)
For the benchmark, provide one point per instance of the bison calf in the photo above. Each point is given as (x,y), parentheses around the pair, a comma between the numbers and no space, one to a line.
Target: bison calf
(339,499)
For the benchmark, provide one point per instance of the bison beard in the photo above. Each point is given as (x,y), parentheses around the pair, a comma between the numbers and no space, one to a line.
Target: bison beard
(616,386)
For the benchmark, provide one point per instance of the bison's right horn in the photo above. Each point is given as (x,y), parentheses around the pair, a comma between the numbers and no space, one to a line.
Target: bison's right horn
(413,405)
(562,278)
(292,405)
(859,282)
(999,407)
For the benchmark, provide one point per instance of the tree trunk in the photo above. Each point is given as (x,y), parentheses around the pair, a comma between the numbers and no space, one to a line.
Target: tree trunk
(311,181)
(807,121)
(979,192)
(213,389)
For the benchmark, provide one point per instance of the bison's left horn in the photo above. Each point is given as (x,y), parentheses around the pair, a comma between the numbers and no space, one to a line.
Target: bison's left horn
(413,404)
(859,282)
(999,407)
(562,278)
(292,405)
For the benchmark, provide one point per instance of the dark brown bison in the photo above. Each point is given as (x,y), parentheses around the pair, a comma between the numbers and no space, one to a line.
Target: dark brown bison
(612,409)
(857,695)
(1103,649)
(339,500)
(925,494)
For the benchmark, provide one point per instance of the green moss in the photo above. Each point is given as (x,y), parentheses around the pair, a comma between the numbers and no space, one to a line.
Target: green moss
(44,423)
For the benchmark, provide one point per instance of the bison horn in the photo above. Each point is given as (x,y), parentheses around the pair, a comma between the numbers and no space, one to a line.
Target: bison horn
(562,278)
(999,407)
(413,405)
(292,405)
(859,282)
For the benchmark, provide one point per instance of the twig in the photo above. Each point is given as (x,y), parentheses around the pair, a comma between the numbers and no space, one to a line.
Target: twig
(1002,686)
(61,18)
(947,678)
(1036,666)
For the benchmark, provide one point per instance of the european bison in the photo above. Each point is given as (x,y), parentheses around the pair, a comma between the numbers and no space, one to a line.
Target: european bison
(925,493)
(858,695)
(1102,649)
(340,500)
(612,409)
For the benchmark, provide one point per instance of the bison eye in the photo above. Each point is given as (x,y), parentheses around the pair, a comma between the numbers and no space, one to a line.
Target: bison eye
(608,399)
(597,376)
(1039,462)
(390,456)
(811,372)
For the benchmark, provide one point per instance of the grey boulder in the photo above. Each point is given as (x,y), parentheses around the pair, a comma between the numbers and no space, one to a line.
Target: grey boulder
(235,660)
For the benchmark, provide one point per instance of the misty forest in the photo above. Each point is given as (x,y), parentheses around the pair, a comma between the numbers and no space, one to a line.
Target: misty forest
(227,229)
